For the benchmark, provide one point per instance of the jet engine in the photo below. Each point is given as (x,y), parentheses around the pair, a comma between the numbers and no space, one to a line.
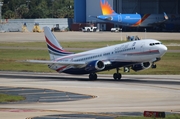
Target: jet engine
(95,66)
(141,66)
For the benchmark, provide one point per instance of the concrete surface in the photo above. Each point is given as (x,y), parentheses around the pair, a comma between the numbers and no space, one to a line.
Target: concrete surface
(134,93)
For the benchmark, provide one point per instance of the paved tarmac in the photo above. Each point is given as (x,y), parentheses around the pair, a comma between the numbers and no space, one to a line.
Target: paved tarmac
(86,37)
(134,93)
(35,95)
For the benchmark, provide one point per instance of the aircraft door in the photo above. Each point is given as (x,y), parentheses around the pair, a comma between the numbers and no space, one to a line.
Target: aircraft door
(142,47)
(119,18)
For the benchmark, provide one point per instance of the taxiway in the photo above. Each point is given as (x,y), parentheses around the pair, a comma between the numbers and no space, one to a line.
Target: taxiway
(134,93)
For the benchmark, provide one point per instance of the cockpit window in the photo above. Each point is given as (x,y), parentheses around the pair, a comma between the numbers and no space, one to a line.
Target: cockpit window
(158,43)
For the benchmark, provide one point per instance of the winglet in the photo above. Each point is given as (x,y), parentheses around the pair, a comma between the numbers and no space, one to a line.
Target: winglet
(106,8)
(165,16)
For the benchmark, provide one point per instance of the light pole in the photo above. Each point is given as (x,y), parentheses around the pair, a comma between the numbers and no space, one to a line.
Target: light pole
(121,33)
(1,4)
(28,1)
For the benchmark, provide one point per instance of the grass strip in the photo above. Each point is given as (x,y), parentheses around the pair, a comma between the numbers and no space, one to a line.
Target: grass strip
(78,44)
(10,98)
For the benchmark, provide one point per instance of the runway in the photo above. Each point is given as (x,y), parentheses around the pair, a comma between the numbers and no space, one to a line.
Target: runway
(134,93)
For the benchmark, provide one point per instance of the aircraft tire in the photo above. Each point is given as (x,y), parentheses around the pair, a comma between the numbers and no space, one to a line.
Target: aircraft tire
(153,66)
(92,76)
(117,76)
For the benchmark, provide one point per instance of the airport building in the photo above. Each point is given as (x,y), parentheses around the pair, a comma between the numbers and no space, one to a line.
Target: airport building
(83,9)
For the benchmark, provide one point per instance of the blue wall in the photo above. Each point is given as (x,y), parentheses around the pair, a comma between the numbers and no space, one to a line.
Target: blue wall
(79,11)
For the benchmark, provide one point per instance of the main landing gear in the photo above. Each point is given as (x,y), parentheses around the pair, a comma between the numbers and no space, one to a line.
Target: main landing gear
(92,76)
(117,76)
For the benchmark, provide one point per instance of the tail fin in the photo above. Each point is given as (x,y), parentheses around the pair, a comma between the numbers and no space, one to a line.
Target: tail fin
(106,8)
(165,16)
(54,48)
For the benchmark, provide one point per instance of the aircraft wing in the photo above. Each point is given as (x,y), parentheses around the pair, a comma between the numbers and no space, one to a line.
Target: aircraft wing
(99,64)
(55,62)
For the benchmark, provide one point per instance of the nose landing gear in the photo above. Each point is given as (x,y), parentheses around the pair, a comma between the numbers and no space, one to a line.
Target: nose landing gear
(153,66)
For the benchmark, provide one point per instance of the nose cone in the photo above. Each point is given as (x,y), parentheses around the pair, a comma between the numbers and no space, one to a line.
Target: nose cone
(163,49)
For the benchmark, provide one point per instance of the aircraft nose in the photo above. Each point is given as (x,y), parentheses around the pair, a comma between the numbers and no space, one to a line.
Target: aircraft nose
(163,49)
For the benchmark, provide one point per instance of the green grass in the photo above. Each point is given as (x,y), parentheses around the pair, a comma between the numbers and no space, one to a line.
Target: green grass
(64,44)
(10,98)
(9,57)
(173,47)
(97,44)
(10,60)
(169,116)
(166,42)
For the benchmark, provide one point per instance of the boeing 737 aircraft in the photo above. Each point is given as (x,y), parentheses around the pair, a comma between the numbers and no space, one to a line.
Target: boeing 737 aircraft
(132,20)
(137,55)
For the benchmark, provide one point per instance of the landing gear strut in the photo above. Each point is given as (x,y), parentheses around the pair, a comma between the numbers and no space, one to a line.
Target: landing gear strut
(92,76)
(153,66)
(117,76)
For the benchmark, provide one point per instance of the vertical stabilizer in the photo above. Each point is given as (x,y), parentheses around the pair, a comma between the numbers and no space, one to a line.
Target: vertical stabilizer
(54,48)
(106,8)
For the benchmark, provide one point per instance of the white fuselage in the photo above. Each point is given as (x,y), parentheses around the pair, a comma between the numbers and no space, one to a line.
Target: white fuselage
(135,51)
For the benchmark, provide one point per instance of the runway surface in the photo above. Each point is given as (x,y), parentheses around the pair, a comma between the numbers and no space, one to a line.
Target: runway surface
(134,93)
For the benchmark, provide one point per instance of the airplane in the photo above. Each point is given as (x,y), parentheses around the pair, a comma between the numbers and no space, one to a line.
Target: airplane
(137,55)
(131,20)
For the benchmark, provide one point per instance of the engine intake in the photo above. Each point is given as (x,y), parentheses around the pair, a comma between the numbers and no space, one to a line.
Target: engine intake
(141,66)
(95,65)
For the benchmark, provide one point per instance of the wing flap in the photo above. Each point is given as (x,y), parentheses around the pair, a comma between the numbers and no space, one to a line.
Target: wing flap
(55,62)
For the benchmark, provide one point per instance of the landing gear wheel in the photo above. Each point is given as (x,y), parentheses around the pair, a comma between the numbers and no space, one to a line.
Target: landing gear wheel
(92,76)
(153,66)
(117,76)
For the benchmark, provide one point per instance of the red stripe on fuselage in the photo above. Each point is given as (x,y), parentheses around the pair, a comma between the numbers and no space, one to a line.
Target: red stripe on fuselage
(61,68)
(151,51)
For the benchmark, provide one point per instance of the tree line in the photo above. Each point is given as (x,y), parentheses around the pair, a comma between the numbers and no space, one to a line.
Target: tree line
(30,9)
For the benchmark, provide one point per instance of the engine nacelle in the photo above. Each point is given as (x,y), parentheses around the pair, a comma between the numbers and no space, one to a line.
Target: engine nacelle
(95,66)
(141,66)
